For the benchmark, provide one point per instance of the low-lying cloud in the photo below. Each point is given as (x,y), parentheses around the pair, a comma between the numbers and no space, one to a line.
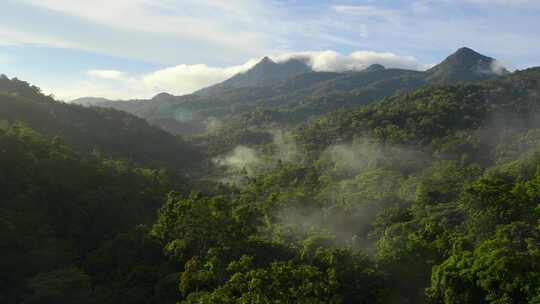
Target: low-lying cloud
(362,154)
(254,161)
(498,68)
(331,61)
(241,158)
(361,179)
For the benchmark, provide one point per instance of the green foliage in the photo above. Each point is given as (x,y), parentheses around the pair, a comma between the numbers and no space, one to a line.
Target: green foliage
(434,116)
(430,196)
(58,207)
(68,285)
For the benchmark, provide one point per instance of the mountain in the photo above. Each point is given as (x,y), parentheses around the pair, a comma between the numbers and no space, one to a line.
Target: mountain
(374,67)
(465,65)
(291,93)
(266,72)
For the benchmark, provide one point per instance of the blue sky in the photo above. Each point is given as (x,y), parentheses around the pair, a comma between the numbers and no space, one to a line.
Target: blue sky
(137,48)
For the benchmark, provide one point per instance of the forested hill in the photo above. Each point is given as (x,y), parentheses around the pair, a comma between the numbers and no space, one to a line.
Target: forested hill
(110,132)
(465,65)
(435,115)
(71,225)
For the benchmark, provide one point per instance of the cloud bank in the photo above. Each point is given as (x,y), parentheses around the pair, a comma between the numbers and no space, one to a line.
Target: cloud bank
(332,61)
(184,79)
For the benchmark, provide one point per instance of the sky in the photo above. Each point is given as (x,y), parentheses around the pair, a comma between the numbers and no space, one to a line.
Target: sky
(126,49)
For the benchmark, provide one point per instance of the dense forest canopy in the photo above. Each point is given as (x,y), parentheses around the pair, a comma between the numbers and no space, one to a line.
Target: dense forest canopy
(430,195)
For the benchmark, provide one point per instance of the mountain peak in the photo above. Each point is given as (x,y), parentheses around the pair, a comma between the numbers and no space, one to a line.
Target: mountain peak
(266,65)
(465,51)
(265,72)
(375,67)
(466,55)
(163,96)
(295,64)
(466,64)
(266,61)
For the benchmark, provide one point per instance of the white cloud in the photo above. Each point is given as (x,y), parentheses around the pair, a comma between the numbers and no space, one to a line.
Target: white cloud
(242,158)
(333,61)
(508,3)
(107,74)
(498,67)
(98,87)
(201,21)
(15,37)
(183,79)
(179,80)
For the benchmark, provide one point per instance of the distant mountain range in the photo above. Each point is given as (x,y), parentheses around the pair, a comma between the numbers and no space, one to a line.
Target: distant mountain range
(293,89)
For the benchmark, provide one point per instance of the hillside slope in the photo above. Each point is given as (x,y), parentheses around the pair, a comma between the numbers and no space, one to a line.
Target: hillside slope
(110,132)
(432,115)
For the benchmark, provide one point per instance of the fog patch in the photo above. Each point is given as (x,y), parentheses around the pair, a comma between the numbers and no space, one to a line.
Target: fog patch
(498,68)
(242,158)
(285,148)
(362,154)
(213,124)
(363,178)
(332,61)
(507,136)
(253,161)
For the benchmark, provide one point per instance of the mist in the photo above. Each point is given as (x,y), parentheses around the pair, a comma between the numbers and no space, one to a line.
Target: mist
(255,160)
(241,158)
(362,179)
